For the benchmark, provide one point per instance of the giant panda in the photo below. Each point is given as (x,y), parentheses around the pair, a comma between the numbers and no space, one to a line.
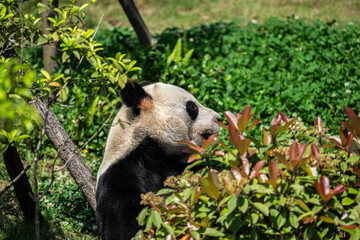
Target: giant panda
(140,155)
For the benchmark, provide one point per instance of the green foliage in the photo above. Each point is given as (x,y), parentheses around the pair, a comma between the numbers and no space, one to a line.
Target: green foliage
(282,186)
(290,66)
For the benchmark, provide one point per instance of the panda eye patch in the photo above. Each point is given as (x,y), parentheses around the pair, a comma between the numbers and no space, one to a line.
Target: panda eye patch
(192,109)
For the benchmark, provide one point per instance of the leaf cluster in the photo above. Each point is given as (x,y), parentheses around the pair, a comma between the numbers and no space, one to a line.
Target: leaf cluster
(279,185)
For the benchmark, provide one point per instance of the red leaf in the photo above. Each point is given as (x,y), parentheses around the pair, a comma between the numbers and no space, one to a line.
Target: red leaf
(285,126)
(254,123)
(344,135)
(235,171)
(230,117)
(243,146)
(193,158)
(307,220)
(228,185)
(296,151)
(213,138)
(213,178)
(244,118)
(335,140)
(283,161)
(354,120)
(349,227)
(315,152)
(276,120)
(221,124)
(338,189)
(219,153)
(207,142)
(283,117)
(325,185)
(246,112)
(256,169)
(191,145)
(356,170)
(349,140)
(234,136)
(266,138)
(245,165)
(318,124)
(318,189)
(273,172)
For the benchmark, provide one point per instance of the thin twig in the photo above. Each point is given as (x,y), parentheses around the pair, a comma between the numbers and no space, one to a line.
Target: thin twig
(15,180)
(91,138)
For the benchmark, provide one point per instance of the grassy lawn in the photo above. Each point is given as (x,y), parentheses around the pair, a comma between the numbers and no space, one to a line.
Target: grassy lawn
(161,14)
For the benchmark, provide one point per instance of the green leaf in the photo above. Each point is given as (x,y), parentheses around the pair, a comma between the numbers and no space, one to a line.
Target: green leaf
(156,218)
(88,33)
(177,50)
(254,218)
(302,205)
(281,219)
(142,216)
(212,232)
(195,235)
(243,204)
(21,137)
(168,228)
(308,233)
(262,208)
(135,69)
(63,94)
(347,201)
(64,57)
(165,191)
(232,204)
(210,189)
(187,57)
(356,234)
(293,220)
(46,74)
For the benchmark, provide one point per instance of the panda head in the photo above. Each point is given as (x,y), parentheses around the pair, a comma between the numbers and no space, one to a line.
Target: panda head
(163,112)
(168,113)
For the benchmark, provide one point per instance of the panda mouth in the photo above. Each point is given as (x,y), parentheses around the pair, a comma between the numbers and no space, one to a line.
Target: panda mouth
(206,134)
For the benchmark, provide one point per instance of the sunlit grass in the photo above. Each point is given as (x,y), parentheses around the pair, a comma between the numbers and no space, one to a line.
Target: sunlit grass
(161,14)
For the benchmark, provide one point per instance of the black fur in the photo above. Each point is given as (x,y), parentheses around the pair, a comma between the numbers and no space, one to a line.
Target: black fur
(192,109)
(132,95)
(119,187)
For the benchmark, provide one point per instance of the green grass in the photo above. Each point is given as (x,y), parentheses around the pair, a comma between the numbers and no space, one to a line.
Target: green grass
(161,14)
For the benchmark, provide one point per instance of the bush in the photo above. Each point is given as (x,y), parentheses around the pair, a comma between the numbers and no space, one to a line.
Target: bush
(289,183)
(290,66)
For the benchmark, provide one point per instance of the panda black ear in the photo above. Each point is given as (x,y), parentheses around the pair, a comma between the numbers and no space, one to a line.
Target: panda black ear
(133,94)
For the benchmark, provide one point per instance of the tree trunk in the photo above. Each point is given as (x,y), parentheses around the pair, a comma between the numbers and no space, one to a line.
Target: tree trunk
(137,22)
(68,153)
(22,186)
(50,51)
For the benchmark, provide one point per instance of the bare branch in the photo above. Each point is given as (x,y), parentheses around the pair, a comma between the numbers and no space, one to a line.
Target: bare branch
(15,180)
